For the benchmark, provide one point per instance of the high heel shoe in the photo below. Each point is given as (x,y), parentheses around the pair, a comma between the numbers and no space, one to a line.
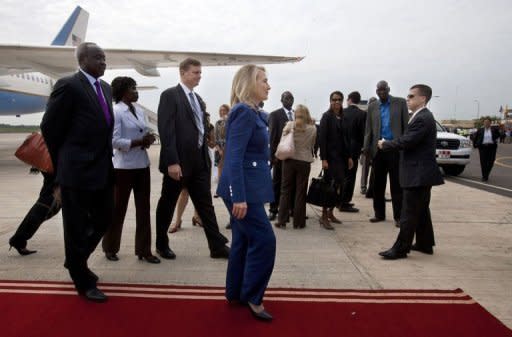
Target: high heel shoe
(175,227)
(149,258)
(263,315)
(196,221)
(332,218)
(324,222)
(23,250)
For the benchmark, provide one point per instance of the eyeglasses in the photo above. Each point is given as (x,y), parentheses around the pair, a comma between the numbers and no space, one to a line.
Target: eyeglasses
(337,100)
(411,96)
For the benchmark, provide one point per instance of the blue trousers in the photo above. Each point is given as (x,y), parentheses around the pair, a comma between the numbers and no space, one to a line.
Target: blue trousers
(252,256)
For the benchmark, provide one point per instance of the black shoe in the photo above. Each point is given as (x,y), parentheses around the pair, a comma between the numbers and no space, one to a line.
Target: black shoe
(149,258)
(485,178)
(272,216)
(23,250)
(215,196)
(280,225)
(166,253)
(111,256)
(424,250)
(228,226)
(348,208)
(387,200)
(94,295)
(393,254)
(262,315)
(222,253)
(376,219)
(397,223)
(363,190)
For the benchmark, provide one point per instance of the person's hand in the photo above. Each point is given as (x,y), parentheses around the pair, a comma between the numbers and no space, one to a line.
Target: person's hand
(325,165)
(174,171)
(379,143)
(147,140)
(350,163)
(239,210)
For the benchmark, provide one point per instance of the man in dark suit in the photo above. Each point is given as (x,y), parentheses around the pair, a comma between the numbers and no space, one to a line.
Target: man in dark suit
(386,119)
(276,121)
(418,173)
(486,140)
(354,120)
(77,127)
(185,161)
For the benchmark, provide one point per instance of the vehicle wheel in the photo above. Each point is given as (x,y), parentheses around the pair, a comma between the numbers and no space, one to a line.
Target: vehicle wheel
(453,170)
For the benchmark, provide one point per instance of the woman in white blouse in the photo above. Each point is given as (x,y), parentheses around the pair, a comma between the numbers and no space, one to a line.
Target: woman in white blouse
(131,168)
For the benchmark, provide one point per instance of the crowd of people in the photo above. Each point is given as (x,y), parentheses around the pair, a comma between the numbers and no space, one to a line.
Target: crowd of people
(99,153)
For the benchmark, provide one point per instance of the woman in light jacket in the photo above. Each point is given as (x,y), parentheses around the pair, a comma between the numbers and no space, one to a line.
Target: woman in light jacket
(131,169)
(296,169)
(245,186)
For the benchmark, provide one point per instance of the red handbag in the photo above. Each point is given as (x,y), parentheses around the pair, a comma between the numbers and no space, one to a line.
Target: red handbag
(34,152)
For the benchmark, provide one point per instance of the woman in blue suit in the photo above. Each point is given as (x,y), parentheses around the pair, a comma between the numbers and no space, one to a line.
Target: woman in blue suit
(245,186)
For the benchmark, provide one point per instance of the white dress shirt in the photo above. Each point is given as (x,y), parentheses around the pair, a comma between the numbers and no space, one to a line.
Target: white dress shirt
(127,128)
(415,113)
(487,136)
(287,112)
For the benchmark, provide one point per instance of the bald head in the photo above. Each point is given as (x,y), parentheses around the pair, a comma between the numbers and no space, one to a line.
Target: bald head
(382,90)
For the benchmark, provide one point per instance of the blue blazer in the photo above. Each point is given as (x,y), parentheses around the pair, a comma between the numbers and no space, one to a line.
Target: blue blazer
(246,173)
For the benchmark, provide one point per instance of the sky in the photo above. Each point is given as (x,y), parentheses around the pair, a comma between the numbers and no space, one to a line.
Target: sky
(462,49)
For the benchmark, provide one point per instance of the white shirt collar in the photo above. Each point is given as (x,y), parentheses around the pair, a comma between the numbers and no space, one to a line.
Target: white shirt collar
(186,89)
(91,79)
(416,112)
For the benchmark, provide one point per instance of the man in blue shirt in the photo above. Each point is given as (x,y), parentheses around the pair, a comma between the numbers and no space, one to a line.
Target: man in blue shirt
(386,119)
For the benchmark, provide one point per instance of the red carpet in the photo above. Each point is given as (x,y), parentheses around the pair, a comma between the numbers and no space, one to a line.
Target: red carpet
(41,309)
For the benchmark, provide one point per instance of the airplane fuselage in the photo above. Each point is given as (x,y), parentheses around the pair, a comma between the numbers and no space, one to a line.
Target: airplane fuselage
(24,93)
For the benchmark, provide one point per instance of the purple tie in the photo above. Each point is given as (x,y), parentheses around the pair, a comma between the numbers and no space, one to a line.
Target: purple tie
(103,104)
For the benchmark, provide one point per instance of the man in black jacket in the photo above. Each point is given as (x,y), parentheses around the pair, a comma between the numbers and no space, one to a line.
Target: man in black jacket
(354,120)
(486,140)
(77,127)
(276,122)
(418,173)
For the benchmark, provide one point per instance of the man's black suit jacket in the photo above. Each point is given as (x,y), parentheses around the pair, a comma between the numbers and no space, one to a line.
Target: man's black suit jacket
(334,142)
(77,135)
(418,166)
(276,122)
(178,131)
(354,123)
(479,138)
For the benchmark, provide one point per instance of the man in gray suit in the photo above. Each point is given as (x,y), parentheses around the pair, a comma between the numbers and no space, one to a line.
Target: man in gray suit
(386,119)
(418,173)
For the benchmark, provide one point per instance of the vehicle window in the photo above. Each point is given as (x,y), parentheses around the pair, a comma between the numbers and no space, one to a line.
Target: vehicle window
(439,127)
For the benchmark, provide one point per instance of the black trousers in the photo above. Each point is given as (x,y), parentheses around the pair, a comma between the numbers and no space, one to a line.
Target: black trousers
(138,180)
(349,183)
(487,158)
(277,173)
(45,208)
(383,164)
(198,184)
(415,219)
(86,215)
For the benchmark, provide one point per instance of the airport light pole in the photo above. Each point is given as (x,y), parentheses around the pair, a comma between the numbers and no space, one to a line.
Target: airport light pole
(477,109)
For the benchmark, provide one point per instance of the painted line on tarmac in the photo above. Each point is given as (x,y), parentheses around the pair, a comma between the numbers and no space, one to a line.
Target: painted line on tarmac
(497,162)
(483,184)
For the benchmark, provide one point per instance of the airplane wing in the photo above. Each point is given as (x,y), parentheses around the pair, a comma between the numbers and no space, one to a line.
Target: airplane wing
(57,61)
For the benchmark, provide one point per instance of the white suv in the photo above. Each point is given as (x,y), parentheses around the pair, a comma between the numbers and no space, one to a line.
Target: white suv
(453,152)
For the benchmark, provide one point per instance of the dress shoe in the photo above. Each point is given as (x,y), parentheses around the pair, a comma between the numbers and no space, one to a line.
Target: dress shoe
(424,250)
(375,219)
(280,225)
(397,223)
(349,209)
(215,195)
(228,226)
(166,253)
(222,253)
(94,295)
(333,219)
(393,254)
(23,250)
(324,222)
(149,258)
(262,315)
(272,216)
(111,256)
(196,221)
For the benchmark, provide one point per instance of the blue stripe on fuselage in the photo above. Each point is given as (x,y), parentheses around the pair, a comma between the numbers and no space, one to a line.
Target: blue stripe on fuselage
(13,103)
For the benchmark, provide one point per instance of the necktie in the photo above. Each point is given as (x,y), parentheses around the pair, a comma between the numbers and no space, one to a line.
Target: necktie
(103,104)
(290,116)
(198,118)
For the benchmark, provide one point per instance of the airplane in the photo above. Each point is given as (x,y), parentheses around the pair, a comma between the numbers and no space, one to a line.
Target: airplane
(28,73)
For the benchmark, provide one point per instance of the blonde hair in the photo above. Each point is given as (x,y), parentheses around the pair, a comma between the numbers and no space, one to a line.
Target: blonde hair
(244,84)
(302,117)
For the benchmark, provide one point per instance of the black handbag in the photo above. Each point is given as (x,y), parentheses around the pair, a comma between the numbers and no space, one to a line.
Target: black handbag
(322,192)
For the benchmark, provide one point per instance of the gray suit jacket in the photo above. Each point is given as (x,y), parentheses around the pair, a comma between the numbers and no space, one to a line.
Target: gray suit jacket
(399,115)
